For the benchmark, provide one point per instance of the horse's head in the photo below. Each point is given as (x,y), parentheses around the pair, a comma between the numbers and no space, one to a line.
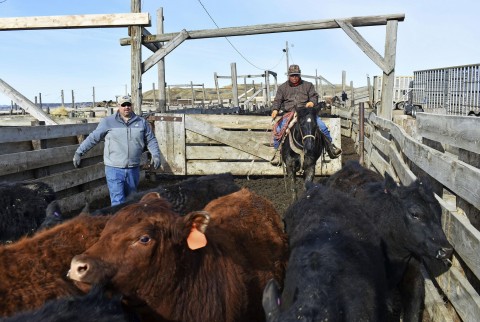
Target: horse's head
(307,131)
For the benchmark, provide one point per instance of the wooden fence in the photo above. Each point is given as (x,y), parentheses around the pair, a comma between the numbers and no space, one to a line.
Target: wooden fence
(241,144)
(190,145)
(45,153)
(447,149)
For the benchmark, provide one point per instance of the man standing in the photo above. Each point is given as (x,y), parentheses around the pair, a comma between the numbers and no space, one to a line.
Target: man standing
(126,136)
(296,94)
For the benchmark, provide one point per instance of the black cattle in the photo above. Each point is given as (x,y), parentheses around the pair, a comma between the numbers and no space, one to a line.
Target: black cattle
(409,220)
(335,270)
(53,216)
(22,208)
(186,196)
(94,306)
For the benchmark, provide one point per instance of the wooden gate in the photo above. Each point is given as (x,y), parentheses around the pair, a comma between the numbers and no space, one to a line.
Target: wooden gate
(240,144)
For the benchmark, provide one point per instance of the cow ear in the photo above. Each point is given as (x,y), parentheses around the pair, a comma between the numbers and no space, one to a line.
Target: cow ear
(390,184)
(150,196)
(198,222)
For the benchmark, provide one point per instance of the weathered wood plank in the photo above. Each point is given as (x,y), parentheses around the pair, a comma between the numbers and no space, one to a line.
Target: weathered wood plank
(161,53)
(69,179)
(381,165)
(218,153)
(463,236)
(25,103)
(170,134)
(454,174)
(364,45)
(195,138)
(114,20)
(23,161)
(206,167)
(381,143)
(404,173)
(460,131)
(227,137)
(434,303)
(78,201)
(29,133)
(461,294)
(275,28)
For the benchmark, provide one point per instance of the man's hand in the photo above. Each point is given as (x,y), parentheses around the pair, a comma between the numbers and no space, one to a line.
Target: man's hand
(274,115)
(309,104)
(77,159)
(156,162)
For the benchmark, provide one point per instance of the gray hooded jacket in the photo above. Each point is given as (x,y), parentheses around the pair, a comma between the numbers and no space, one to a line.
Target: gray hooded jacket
(124,142)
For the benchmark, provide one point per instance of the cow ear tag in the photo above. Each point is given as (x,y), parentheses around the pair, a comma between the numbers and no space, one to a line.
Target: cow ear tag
(196,239)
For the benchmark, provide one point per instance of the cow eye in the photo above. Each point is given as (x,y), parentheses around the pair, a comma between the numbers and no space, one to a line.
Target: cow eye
(144,239)
(415,215)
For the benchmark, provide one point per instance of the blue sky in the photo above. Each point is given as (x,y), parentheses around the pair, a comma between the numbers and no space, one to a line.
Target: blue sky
(435,33)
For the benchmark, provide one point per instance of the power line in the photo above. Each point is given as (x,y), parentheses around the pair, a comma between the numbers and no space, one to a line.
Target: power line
(248,61)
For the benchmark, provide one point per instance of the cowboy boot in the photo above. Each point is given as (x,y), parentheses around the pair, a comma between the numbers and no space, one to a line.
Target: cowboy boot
(332,151)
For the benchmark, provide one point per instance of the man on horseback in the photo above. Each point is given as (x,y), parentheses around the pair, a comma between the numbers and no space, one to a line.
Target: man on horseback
(295,94)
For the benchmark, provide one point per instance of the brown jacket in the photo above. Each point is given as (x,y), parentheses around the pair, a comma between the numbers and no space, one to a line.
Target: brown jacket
(290,97)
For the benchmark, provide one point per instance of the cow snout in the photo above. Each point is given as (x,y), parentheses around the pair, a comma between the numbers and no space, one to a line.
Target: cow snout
(78,269)
(444,253)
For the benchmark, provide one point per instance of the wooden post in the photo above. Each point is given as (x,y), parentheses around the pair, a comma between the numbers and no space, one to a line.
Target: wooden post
(11,108)
(154,96)
(267,85)
(245,91)
(93,96)
(169,98)
(370,94)
(39,145)
(215,76)
(161,68)
(344,80)
(352,95)
(193,94)
(73,100)
(40,100)
(361,131)
(388,80)
(204,95)
(233,67)
(63,98)
(136,60)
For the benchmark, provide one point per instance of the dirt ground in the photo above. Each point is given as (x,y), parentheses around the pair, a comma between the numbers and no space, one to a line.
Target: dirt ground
(273,188)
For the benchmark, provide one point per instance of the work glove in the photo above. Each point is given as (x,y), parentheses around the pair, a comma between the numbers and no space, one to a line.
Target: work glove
(156,162)
(77,159)
(274,115)
(309,104)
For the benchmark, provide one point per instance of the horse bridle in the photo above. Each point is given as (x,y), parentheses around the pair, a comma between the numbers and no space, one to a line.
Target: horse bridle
(303,137)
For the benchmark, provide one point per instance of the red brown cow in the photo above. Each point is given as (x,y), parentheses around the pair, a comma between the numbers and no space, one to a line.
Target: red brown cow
(33,270)
(208,266)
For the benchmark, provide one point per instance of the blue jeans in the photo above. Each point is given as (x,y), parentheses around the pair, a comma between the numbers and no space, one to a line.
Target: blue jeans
(321,125)
(121,182)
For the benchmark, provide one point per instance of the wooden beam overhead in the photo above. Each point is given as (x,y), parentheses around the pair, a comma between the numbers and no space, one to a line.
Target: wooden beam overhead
(365,46)
(77,21)
(161,53)
(273,28)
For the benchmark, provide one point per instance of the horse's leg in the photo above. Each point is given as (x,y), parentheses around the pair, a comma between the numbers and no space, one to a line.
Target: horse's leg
(308,170)
(291,168)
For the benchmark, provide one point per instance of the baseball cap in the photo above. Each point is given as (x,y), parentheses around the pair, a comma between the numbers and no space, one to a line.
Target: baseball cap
(124,99)
(294,70)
